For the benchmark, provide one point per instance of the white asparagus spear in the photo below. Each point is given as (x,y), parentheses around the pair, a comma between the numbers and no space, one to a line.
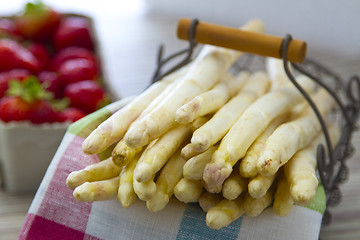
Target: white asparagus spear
(200,121)
(126,194)
(187,190)
(189,151)
(248,127)
(162,118)
(155,157)
(122,154)
(298,110)
(289,137)
(300,170)
(276,71)
(113,129)
(211,100)
(248,165)
(234,185)
(208,200)
(103,170)
(224,213)
(282,199)
(259,185)
(203,74)
(169,176)
(255,206)
(194,167)
(216,128)
(97,191)
(145,190)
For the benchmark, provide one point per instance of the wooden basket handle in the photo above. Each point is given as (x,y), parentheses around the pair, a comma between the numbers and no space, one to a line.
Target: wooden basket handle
(233,38)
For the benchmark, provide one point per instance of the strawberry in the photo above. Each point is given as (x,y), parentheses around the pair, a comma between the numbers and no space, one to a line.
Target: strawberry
(51,83)
(86,95)
(72,53)
(75,70)
(42,112)
(71,115)
(13,55)
(7,28)
(40,51)
(27,101)
(37,21)
(73,31)
(5,77)
(13,108)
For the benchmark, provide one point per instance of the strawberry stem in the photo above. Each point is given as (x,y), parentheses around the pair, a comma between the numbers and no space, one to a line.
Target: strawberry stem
(35,8)
(60,104)
(30,89)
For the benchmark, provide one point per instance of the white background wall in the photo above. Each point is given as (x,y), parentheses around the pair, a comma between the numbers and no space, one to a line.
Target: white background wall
(327,25)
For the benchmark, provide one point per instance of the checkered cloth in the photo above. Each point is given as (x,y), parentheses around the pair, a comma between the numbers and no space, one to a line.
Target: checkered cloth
(55,214)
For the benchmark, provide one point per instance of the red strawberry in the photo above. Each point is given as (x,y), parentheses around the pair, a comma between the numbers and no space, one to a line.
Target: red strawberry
(5,77)
(75,70)
(71,115)
(42,112)
(13,108)
(38,21)
(27,103)
(86,95)
(72,53)
(13,55)
(40,52)
(73,31)
(7,28)
(51,83)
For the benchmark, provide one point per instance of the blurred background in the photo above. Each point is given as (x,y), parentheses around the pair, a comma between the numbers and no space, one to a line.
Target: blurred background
(130,32)
(135,29)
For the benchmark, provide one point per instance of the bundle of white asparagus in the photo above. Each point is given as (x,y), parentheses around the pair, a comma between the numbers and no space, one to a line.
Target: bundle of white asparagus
(234,143)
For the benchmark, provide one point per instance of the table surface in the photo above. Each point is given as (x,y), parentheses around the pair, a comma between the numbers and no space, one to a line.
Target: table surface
(129,37)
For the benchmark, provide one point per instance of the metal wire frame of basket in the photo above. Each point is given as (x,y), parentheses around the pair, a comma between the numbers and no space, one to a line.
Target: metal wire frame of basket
(331,166)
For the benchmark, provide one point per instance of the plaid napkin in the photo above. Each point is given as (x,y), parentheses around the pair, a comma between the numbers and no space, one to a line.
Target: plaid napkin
(55,214)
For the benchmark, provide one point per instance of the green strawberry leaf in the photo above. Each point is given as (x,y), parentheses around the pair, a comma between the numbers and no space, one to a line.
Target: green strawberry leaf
(30,89)
(60,104)
(35,8)
(14,88)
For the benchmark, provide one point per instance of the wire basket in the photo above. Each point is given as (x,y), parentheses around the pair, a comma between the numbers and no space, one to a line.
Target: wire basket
(331,161)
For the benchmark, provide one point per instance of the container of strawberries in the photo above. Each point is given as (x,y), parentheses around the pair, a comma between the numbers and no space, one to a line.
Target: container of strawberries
(50,76)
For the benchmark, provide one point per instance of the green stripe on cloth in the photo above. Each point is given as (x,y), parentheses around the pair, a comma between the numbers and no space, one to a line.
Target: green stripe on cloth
(86,125)
(193,226)
(319,202)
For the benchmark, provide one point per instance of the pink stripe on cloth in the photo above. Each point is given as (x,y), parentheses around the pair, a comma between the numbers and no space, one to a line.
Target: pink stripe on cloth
(44,229)
(58,205)
(89,237)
